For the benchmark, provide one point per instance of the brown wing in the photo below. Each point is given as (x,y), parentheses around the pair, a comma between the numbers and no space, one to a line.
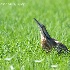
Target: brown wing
(60,47)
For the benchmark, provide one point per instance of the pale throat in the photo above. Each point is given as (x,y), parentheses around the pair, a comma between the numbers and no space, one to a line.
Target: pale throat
(43,38)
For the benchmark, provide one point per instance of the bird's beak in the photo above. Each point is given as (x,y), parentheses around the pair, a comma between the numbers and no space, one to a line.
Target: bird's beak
(40,25)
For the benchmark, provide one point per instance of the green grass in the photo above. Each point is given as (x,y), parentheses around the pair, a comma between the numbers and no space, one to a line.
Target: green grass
(20,38)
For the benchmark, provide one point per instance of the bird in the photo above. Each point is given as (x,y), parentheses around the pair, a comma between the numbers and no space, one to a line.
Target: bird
(49,43)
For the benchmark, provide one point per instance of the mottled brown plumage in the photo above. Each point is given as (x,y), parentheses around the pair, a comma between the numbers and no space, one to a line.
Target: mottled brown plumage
(47,42)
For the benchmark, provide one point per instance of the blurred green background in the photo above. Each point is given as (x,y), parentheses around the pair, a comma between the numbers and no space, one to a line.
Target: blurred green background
(20,38)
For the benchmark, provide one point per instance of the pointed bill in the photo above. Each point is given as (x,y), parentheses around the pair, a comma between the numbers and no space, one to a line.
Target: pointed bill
(40,25)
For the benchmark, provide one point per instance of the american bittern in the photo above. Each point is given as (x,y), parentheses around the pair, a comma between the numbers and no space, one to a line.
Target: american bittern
(47,42)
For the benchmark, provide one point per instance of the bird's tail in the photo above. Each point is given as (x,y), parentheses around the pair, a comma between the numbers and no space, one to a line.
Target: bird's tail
(62,48)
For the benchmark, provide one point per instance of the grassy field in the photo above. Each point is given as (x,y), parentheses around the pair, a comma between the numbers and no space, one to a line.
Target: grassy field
(20,38)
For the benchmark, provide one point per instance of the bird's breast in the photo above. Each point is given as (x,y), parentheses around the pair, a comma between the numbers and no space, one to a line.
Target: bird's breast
(45,44)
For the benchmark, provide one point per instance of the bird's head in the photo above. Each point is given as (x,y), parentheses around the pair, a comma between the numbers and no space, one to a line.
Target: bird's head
(41,26)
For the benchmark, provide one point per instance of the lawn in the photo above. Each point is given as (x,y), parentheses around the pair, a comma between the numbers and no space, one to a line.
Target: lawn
(20,47)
